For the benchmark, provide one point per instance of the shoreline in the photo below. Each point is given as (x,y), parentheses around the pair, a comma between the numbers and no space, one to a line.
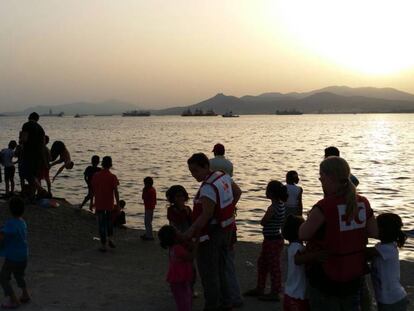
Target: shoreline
(67,272)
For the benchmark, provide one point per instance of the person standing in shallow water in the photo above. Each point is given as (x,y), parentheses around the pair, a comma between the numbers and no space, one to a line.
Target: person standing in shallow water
(213,220)
(105,189)
(219,162)
(149,196)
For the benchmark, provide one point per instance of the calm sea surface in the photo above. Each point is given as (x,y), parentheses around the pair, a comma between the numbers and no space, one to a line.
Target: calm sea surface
(378,147)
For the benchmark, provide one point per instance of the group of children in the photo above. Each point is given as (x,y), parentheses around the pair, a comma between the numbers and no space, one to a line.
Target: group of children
(281,222)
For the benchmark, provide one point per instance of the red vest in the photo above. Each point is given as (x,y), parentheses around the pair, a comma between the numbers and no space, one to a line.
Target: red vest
(224,209)
(344,239)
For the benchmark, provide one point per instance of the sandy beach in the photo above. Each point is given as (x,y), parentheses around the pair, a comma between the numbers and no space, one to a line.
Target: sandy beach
(67,272)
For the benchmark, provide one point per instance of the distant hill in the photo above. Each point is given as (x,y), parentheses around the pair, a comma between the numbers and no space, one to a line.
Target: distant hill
(333,99)
(371,92)
(107,107)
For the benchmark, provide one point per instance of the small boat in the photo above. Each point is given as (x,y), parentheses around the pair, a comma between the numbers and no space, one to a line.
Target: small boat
(288,112)
(136,113)
(51,114)
(230,114)
(77,116)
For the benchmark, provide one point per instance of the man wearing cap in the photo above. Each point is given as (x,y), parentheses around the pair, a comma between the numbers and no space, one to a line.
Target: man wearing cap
(219,162)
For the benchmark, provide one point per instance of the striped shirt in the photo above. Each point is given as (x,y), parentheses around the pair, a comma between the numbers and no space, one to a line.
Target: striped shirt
(272,228)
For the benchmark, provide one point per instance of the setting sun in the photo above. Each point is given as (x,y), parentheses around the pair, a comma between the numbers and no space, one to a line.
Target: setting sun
(371,37)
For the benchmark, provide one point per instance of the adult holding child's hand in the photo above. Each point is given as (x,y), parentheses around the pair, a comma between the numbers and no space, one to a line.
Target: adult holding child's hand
(213,221)
(340,224)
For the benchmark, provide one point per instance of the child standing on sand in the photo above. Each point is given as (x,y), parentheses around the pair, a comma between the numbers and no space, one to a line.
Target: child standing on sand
(45,167)
(149,196)
(105,188)
(295,286)
(294,202)
(87,175)
(6,156)
(269,259)
(178,213)
(14,237)
(389,293)
(118,215)
(180,269)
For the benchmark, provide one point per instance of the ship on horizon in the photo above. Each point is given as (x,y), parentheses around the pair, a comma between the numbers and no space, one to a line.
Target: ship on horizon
(288,112)
(136,113)
(199,113)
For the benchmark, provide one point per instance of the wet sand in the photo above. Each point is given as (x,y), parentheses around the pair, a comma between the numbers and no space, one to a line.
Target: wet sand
(67,272)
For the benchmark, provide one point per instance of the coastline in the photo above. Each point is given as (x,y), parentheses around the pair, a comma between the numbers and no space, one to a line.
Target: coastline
(67,272)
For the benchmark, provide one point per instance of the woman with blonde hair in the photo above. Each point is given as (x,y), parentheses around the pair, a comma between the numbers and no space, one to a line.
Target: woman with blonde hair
(339,224)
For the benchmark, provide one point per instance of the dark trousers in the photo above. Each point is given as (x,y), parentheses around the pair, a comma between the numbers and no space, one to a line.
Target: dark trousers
(211,261)
(105,225)
(15,268)
(149,214)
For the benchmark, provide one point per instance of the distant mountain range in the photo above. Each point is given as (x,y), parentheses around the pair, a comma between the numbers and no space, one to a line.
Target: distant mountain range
(333,99)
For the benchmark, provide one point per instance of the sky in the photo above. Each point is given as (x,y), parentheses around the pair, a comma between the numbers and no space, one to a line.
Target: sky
(167,53)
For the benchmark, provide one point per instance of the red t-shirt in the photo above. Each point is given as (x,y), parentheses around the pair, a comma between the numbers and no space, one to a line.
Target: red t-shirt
(181,266)
(103,185)
(149,195)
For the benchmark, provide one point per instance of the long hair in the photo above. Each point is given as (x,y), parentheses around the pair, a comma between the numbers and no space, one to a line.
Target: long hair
(338,170)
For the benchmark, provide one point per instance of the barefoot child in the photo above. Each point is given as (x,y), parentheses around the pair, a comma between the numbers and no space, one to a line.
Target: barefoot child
(385,275)
(149,196)
(294,202)
(118,215)
(105,188)
(6,156)
(180,269)
(295,286)
(59,150)
(269,259)
(45,167)
(14,237)
(87,175)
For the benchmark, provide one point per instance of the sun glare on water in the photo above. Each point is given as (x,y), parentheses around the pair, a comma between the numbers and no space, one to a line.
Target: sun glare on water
(373,37)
